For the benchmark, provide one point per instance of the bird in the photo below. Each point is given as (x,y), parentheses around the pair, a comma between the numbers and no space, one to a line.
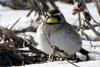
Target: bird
(54,31)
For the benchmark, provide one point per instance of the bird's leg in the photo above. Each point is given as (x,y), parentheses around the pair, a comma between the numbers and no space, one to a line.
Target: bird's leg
(56,50)
(52,55)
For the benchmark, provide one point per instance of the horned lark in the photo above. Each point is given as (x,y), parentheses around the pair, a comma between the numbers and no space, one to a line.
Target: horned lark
(56,32)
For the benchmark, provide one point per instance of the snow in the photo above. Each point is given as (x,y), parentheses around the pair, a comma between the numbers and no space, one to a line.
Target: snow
(66,64)
(8,17)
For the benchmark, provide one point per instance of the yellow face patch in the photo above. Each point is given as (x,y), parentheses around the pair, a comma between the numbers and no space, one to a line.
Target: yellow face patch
(52,20)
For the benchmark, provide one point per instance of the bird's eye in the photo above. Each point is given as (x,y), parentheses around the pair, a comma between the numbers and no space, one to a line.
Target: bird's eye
(58,18)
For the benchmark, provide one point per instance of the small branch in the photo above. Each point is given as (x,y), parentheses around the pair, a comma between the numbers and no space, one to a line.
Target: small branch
(92,28)
(29,29)
(15,23)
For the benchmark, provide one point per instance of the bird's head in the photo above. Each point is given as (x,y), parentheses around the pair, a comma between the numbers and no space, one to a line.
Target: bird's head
(54,17)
